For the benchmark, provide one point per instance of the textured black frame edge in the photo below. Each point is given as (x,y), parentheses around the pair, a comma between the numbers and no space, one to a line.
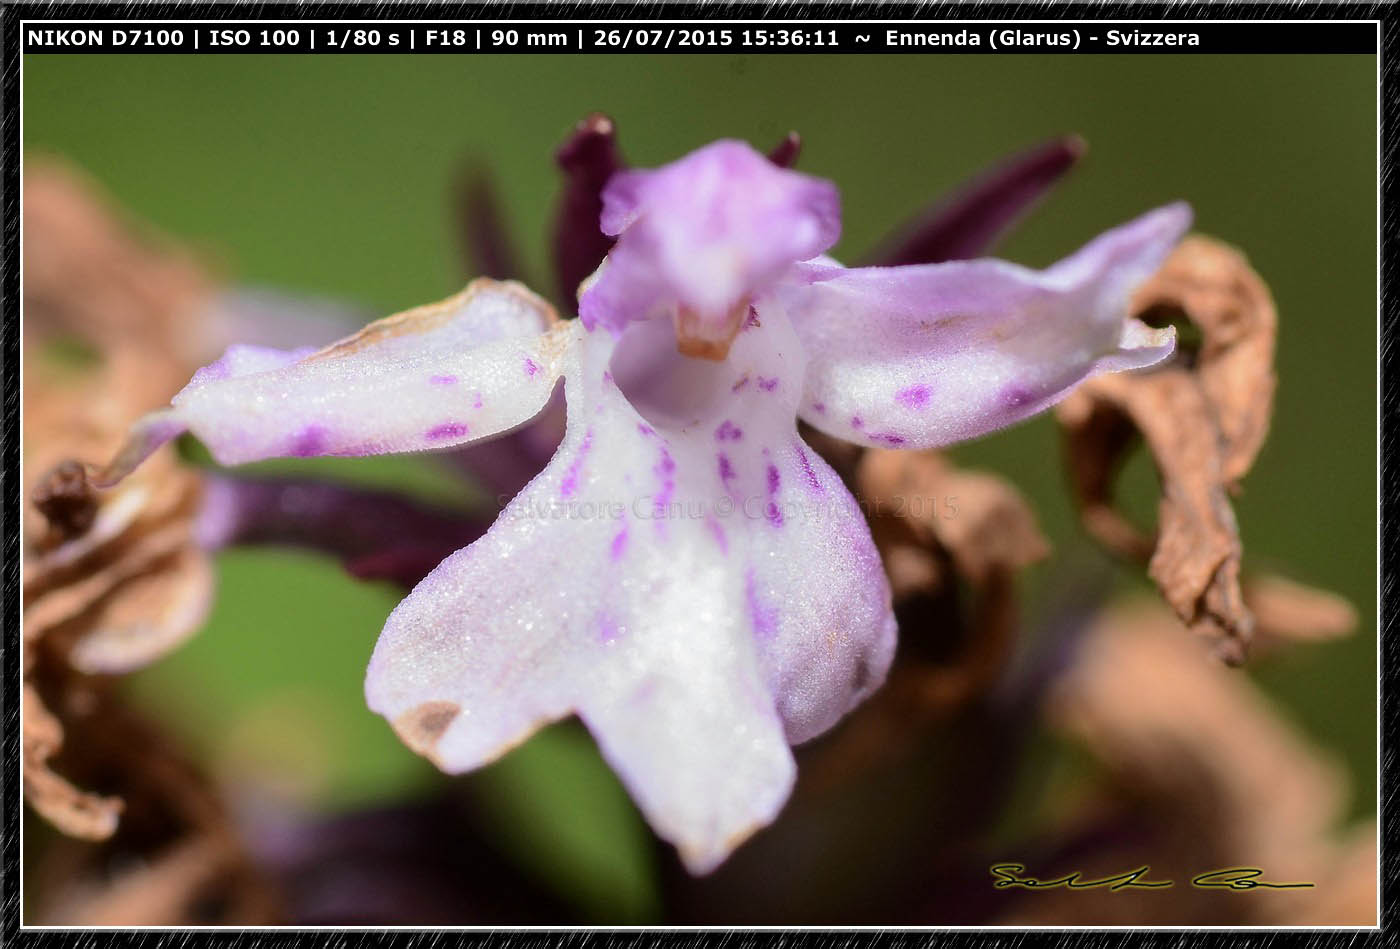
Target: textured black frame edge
(10,696)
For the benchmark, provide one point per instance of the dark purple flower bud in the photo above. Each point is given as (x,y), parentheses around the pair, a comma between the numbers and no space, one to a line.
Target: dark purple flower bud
(483,234)
(785,153)
(588,159)
(973,217)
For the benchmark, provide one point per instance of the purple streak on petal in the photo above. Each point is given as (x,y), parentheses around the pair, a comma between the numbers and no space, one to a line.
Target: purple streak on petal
(763,616)
(741,384)
(717,529)
(914,397)
(376,534)
(665,470)
(888,439)
(808,471)
(785,153)
(969,221)
(446,430)
(568,487)
(481,227)
(726,470)
(532,368)
(774,515)
(619,545)
(588,159)
(608,628)
(476,400)
(728,432)
(309,442)
(447,381)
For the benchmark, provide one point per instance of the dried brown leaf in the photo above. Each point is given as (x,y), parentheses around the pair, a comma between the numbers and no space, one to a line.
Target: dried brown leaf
(154,613)
(76,813)
(112,579)
(934,525)
(1208,773)
(176,857)
(979,519)
(1203,419)
(1285,610)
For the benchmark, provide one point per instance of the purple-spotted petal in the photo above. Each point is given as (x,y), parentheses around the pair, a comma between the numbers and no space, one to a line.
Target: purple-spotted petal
(472,366)
(920,356)
(703,234)
(685,575)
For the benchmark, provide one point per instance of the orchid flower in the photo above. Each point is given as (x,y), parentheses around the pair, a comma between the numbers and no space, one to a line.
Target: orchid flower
(685,575)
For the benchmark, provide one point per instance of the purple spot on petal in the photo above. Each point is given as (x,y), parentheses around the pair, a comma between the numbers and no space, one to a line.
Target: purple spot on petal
(775,516)
(445,430)
(857,422)
(645,429)
(752,321)
(808,470)
(476,401)
(819,407)
(531,367)
(763,617)
(1016,396)
(619,545)
(717,529)
(914,397)
(728,432)
(665,469)
(443,380)
(569,486)
(726,470)
(607,376)
(767,384)
(309,441)
(608,628)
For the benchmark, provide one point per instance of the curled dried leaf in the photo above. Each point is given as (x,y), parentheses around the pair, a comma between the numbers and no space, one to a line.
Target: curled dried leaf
(979,519)
(1203,771)
(112,579)
(1203,418)
(934,525)
(76,813)
(1285,610)
(175,859)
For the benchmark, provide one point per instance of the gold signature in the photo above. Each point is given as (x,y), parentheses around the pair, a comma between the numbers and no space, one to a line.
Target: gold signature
(1228,878)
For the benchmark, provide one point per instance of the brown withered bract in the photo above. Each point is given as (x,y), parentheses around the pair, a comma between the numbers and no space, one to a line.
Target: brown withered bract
(939,529)
(175,857)
(111,579)
(1287,611)
(1201,772)
(1203,417)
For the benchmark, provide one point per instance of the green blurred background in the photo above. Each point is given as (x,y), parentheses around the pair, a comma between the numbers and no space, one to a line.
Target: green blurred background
(330,175)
